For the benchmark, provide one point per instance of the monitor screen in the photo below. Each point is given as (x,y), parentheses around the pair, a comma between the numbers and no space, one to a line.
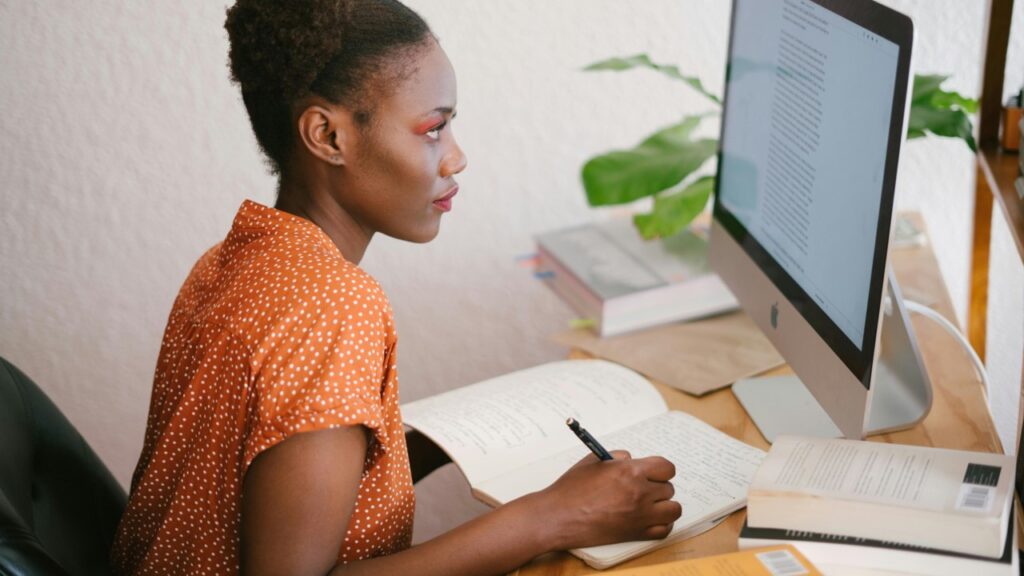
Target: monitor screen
(806,150)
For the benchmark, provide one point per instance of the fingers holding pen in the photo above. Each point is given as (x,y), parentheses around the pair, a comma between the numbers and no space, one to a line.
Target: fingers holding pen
(621,455)
(647,481)
(600,502)
(663,510)
(636,494)
(661,491)
(657,469)
(651,500)
(666,512)
(663,515)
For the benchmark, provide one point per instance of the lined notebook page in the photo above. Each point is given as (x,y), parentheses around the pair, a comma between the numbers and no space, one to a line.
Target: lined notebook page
(713,471)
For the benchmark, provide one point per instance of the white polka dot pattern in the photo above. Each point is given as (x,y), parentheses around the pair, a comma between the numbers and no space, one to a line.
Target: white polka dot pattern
(272,334)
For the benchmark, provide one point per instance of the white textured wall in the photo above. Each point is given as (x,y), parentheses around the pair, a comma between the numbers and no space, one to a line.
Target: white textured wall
(1005,330)
(1005,339)
(124,152)
(1014,78)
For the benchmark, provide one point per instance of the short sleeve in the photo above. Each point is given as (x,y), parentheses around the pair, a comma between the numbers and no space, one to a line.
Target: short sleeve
(273,334)
(317,369)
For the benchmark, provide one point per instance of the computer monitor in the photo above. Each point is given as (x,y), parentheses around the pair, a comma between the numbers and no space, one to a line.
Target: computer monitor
(814,114)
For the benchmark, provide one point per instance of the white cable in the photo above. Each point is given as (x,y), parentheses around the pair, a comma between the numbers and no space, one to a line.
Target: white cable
(931,313)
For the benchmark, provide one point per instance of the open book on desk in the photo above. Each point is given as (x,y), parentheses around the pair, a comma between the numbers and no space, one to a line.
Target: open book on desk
(509,438)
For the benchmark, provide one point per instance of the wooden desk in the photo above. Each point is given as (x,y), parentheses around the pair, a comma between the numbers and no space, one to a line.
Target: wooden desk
(959,417)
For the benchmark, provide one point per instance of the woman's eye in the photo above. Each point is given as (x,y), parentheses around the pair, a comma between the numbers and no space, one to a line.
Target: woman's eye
(435,132)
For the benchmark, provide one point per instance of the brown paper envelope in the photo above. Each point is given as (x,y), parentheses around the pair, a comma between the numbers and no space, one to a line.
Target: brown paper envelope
(696,357)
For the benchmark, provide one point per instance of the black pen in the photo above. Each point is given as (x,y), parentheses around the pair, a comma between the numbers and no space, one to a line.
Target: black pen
(589,440)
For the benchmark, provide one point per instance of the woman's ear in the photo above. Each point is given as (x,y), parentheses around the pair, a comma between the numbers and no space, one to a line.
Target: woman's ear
(326,131)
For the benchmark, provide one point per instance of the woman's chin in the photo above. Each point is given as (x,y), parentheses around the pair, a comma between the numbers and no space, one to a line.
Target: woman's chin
(420,235)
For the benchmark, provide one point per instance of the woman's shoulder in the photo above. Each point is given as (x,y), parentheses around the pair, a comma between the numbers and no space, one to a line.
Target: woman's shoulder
(314,284)
(322,272)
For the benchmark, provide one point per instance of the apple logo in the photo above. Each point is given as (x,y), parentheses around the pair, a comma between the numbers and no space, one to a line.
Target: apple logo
(775,315)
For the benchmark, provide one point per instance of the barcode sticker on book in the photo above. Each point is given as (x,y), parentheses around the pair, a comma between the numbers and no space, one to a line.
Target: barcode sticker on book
(979,487)
(974,497)
(781,563)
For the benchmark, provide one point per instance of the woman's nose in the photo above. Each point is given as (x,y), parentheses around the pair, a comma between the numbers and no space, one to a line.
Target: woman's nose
(454,162)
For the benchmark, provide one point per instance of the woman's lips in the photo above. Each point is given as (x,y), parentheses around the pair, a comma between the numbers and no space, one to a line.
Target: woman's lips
(444,203)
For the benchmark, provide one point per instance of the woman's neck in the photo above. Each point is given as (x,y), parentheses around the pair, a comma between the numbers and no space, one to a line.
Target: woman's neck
(316,204)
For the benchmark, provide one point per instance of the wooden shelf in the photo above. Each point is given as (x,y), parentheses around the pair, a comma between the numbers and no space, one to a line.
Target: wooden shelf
(995,175)
(1000,170)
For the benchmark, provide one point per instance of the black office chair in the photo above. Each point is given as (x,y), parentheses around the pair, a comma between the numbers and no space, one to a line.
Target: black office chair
(59,505)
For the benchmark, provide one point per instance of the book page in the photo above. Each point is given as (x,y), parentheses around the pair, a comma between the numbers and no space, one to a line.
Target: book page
(504,423)
(914,476)
(713,471)
(711,466)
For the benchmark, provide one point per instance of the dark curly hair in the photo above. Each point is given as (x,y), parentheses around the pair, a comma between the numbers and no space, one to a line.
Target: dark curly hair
(349,52)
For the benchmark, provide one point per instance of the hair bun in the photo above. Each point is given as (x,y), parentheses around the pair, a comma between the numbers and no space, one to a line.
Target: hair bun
(280,47)
(345,51)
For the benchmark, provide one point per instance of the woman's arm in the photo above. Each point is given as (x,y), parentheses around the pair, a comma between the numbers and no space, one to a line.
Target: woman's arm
(299,495)
(593,503)
(297,498)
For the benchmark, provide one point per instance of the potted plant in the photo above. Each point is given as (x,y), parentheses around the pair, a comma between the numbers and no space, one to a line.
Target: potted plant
(664,164)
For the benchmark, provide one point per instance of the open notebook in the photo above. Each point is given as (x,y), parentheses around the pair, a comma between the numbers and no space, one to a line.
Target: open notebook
(509,438)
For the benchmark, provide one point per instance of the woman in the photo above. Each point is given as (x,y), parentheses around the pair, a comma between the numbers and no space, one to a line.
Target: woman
(274,443)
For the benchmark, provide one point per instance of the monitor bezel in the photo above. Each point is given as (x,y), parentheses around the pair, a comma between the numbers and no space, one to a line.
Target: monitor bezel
(898,29)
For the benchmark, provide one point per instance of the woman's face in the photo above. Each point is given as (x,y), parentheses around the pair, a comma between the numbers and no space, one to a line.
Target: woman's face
(401,177)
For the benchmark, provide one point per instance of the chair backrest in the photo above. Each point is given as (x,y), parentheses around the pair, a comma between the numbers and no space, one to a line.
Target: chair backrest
(59,505)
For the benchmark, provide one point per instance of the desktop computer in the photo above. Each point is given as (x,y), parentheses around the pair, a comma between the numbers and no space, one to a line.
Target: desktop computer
(814,116)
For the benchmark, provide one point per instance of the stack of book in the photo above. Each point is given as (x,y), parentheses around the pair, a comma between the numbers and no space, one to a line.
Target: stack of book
(619,282)
(835,553)
(850,505)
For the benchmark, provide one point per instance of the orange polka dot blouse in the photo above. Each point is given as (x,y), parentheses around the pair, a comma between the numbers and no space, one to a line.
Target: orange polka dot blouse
(273,334)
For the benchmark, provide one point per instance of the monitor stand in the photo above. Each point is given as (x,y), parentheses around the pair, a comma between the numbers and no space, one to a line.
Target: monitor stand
(902,394)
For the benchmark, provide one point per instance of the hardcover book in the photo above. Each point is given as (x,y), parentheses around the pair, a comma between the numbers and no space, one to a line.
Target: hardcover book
(608,274)
(944,499)
(868,554)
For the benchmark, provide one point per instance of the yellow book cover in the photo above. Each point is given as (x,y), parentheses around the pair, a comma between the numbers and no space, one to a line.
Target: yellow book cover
(769,561)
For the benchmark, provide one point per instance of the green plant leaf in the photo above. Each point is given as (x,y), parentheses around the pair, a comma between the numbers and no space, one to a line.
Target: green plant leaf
(674,212)
(658,163)
(644,61)
(954,100)
(937,111)
(927,91)
(915,133)
(952,123)
(925,85)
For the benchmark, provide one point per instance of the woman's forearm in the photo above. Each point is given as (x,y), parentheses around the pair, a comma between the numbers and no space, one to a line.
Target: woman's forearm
(494,543)
(593,503)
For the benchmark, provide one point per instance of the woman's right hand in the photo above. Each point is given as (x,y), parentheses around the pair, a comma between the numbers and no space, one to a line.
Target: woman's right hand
(601,502)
